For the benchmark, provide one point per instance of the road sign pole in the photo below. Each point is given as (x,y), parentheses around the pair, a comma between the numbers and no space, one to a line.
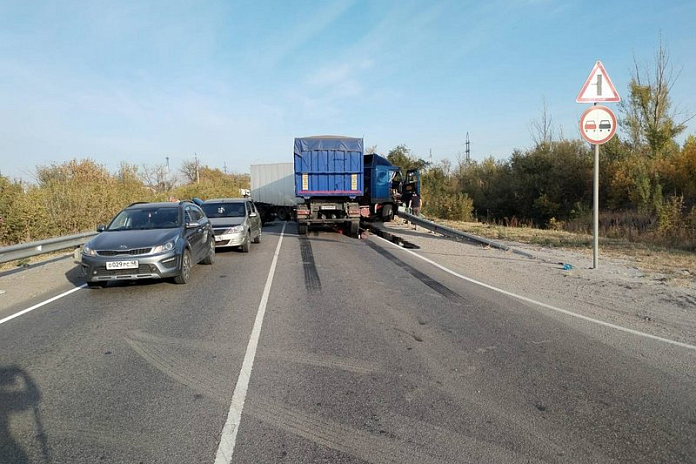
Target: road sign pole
(594,121)
(595,205)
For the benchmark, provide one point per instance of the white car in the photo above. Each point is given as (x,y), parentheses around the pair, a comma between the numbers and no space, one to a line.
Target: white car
(236,222)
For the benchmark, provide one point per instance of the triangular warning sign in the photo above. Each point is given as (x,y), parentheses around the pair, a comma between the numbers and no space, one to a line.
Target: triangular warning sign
(598,87)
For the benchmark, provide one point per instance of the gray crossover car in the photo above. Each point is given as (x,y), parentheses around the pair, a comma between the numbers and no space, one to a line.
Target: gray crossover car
(149,241)
(236,222)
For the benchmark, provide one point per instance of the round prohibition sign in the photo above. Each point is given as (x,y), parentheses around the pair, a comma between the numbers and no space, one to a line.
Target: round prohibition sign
(597,124)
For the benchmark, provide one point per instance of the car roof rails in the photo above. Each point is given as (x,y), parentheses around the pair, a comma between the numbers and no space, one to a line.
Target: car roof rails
(137,203)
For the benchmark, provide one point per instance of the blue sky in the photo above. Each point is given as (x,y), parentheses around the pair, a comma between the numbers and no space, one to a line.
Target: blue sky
(236,81)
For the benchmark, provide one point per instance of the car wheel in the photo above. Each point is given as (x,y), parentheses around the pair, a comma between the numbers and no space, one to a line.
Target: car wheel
(210,257)
(185,273)
(258,238)
(100,284)
(245,245)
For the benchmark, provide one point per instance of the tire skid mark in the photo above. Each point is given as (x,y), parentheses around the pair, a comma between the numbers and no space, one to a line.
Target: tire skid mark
(376,449)
(445,444)
(60,430)
(320,360)
(139,335)
(427,280)
(312,280)
(173,366)
(157,351)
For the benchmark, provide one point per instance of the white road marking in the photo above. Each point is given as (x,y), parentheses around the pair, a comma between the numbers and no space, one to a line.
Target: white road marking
(544,305)
(228,437)
(43,303)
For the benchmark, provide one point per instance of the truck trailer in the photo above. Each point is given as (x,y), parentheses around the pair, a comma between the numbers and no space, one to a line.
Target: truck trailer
(329,178)
(273,191)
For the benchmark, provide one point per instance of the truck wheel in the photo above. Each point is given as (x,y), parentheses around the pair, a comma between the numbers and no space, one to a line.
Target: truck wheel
(283,214)
(302,229)
(387,213)
(354,228)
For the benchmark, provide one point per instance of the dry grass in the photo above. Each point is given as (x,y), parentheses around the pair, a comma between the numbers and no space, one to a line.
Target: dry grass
(678,266)
(27,262)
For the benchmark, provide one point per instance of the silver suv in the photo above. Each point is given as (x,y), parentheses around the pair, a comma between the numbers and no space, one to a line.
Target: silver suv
(149,241)
(236,222)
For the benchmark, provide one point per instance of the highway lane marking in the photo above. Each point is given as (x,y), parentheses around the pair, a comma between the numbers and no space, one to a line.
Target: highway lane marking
(544,305)
(228,437)
(43,303)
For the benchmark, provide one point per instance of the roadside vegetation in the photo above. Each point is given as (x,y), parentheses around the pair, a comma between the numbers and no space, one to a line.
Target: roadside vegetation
(78,195)
(647,179)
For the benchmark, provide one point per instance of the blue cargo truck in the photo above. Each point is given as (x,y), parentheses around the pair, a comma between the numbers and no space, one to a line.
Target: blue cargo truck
(329,178)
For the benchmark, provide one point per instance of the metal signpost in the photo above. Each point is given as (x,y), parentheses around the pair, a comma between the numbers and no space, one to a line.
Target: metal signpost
(597,126)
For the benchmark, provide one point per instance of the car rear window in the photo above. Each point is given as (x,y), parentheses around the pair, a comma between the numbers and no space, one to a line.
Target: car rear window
(146,218)
(221,210)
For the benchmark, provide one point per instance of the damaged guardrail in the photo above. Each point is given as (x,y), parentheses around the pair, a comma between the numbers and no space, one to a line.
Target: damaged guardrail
(457,234)
(27,250)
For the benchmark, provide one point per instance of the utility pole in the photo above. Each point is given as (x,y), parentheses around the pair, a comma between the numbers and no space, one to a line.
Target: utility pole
(195,157)
(467,151)
(167,158)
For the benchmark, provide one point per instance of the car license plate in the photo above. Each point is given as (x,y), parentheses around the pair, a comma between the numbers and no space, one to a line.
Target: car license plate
(131,264)
(328,207)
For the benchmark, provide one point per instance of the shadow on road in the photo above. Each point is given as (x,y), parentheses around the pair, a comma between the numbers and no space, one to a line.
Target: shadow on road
(19,393)
(74,275)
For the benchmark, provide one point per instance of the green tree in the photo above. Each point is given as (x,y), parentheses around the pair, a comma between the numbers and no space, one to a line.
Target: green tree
(401,156)
(648,117)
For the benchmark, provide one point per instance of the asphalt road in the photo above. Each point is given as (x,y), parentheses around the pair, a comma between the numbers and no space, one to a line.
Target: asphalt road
(365,354)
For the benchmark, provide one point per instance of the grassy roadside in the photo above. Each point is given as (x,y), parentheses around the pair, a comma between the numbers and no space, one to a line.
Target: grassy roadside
(29,262)
(677,265)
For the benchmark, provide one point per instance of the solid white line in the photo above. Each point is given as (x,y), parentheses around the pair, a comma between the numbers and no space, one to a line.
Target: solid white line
(228,437)
(544,305)
(50,300)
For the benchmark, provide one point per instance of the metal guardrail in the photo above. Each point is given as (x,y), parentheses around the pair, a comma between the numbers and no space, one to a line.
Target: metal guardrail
(27,250)
(458,234)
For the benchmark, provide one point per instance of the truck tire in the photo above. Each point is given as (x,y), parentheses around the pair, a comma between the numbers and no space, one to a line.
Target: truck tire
(354,228)
(387,213)
(283,214)
(302,229)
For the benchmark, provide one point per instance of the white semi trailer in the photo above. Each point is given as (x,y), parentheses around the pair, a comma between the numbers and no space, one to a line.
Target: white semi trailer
(273,191)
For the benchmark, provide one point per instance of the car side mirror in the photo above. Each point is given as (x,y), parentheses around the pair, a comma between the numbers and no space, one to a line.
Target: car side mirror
(101,228)
(192,225)
(252,214)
